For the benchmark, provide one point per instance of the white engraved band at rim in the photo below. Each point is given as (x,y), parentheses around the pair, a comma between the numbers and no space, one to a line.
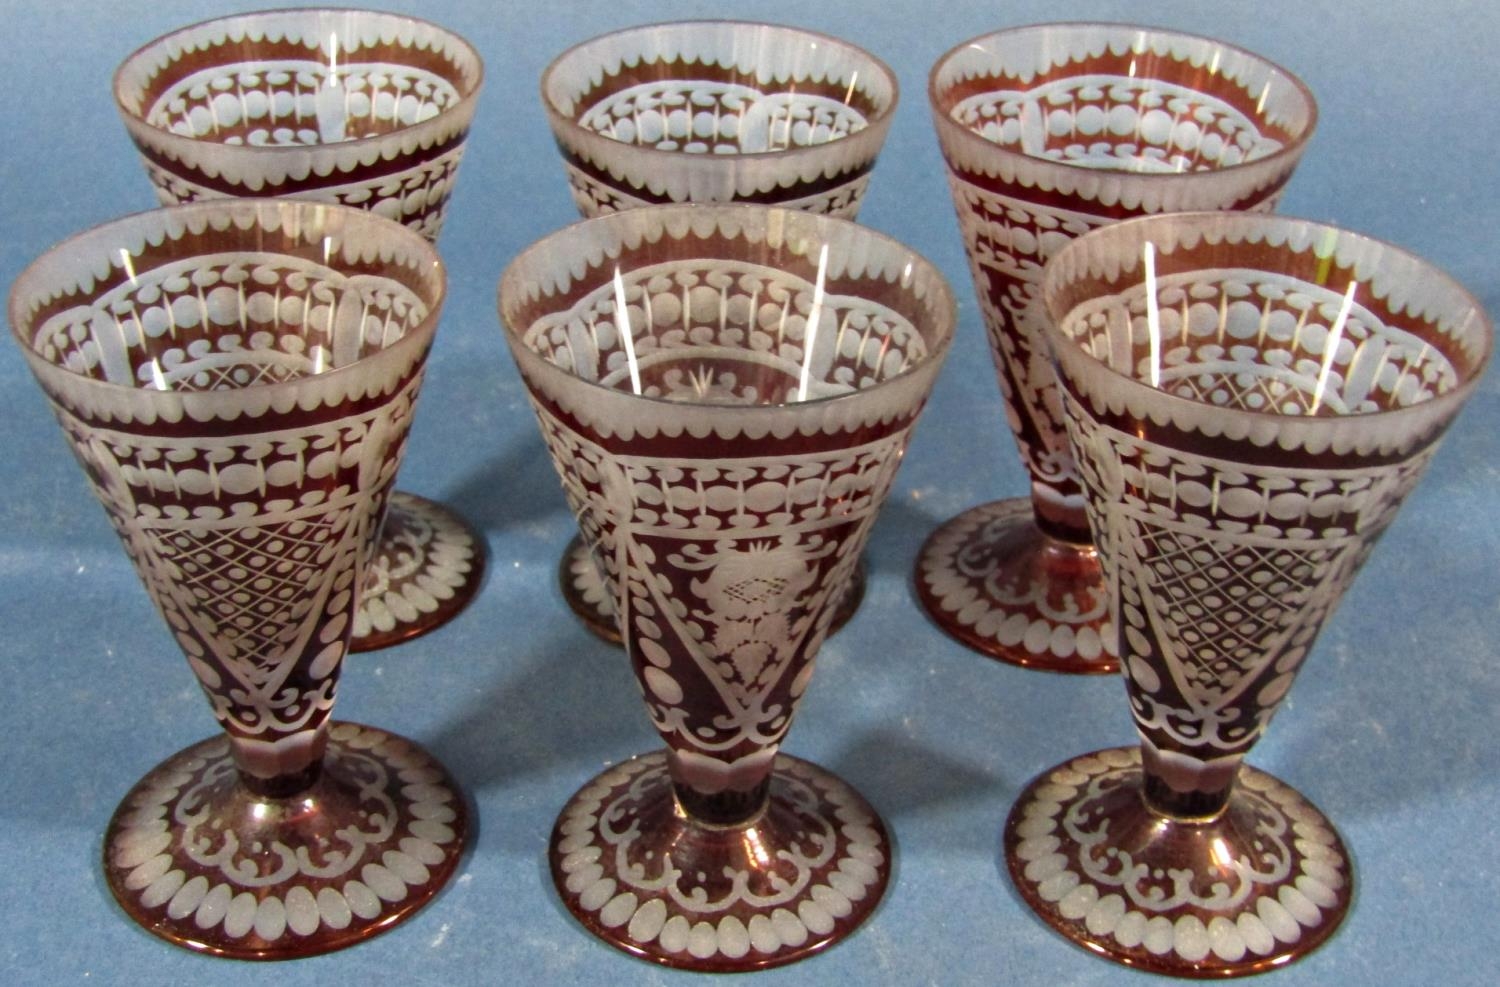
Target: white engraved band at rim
(1018,54)
(1435,307)
(1258,341)
(359,30)
(1113,121)
(1013,58)
(353,30)
(853,252)
(728,310)
(341,315)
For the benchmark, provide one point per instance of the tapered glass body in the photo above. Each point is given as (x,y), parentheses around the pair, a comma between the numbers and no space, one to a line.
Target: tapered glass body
(1249,399)
(351,107)
(726,393)
(237,379)
(713,111)
(1047,132)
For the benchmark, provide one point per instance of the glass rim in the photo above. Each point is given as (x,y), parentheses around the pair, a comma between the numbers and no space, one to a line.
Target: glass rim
(1371,420)
(465,103)
(1289,151)
(153,221)
(511,284)
(874,124)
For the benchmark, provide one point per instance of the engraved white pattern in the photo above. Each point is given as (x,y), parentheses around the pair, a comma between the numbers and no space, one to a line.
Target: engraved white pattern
(721,517)
(834,867)
(702,313)
(595,198)
(1046,136)
(246,541)
(425,562)
(1117,122)
(268,890)
(706,116)
(272,101)
(1230,596)
(797,111)
(964,576)
(378,123)
(1290,886)
(1011,60)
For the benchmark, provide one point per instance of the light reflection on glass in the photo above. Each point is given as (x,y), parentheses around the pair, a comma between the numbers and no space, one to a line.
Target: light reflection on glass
(332,114)
(627,337)
(814,322)
(756,847)
(1153,314)
(129,266)
(1331,347)
(849,93)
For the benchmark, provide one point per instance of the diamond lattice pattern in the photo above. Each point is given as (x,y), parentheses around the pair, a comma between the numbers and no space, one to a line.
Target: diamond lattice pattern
(254,586)
(1228,605)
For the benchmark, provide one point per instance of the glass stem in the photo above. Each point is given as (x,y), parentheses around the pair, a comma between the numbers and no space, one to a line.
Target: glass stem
(1183,788)
(285,766)
(1059,512)
(730,807)
(1164,800)
(283,786)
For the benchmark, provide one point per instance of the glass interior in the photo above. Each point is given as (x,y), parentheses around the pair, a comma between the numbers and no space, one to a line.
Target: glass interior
(1123,99)
(324,78)
(719,88)
(713,320)
(1271,329)
(221,310)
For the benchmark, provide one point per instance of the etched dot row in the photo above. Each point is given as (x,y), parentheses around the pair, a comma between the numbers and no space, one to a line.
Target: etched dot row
(731,936)
(143,848)
(1282,918)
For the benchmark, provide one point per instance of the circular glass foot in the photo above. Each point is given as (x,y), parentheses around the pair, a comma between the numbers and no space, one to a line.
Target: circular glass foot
(1256,887)
(427,567)
(196,858)
(797,878)
(587,596)
(992,579)
(585,592)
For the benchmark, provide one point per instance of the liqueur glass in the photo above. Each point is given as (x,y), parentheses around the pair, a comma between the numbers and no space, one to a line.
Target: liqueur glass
(726,392)
(1049,131)
(236,379)
(1249,399)
(345,106)
(713,111)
